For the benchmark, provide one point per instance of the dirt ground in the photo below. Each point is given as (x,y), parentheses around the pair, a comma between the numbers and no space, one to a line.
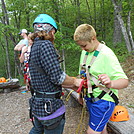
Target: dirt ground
(14,115)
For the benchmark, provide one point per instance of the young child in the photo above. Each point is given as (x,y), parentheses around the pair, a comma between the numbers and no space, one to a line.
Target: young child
(24,57)
(103,72)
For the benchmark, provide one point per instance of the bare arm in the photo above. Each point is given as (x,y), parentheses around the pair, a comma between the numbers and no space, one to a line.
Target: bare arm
(71,82)
(22,56)
(115,84)
(19,47)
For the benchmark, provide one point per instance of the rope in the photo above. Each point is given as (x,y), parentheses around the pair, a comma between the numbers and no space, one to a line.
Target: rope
(80,127)
(68,96)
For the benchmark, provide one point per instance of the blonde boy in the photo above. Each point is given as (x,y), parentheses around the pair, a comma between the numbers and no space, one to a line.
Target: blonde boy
(107,70)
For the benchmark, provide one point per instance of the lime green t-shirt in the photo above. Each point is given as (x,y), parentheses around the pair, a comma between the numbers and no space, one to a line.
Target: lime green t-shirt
(105,63)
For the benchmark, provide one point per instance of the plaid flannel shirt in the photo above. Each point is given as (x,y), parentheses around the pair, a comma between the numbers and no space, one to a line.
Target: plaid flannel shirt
(44,55)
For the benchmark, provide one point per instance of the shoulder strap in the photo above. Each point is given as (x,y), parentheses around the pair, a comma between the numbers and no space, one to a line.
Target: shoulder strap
(39,69)
(88,67)
(90,64)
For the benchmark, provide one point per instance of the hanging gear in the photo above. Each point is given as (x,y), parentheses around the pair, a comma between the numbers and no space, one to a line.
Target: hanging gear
(44,18)
(86,76)
(120,113)
(83,116)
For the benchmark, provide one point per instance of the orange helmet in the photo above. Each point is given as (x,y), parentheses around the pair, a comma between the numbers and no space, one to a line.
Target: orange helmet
(120,113)
(2,79)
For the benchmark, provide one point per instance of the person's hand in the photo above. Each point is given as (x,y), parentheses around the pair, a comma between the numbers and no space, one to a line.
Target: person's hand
(105,80)
(77,83)
(71,82)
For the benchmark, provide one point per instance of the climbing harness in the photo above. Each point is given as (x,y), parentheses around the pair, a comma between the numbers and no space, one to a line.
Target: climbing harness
(47,104)
(85,74)
(86,87)
(48,95)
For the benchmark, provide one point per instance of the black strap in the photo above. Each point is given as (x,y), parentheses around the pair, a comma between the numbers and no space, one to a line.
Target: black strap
(114,97)
(31,116)
(91,94)
(39,69)
(111,93)
(48,95)
(93,87)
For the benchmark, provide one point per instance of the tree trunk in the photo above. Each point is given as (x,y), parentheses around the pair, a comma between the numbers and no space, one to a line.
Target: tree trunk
(90,16)
(78,12)
(94,3)
(129,30)
(123,29)
(5,17)
(63,57)
(117,35)
(102,22)
(6,22)
(7,59)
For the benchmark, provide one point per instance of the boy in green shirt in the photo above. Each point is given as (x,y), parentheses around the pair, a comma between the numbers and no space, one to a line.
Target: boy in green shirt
(104,67)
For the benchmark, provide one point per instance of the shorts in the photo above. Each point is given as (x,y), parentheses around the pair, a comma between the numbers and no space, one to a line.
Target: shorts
(99,113)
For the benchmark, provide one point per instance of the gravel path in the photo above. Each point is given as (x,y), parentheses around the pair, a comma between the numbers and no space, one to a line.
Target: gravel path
(14,115)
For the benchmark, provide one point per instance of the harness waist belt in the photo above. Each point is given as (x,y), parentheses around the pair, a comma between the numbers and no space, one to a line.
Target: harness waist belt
(115,98)
(56,95)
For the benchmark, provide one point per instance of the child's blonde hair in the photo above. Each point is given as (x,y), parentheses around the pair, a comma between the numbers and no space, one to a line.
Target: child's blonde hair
(84,32)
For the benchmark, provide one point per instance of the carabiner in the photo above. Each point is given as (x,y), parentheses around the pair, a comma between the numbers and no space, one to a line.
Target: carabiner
(46,107)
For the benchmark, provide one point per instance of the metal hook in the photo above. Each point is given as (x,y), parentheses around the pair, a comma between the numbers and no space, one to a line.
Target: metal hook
(46,107)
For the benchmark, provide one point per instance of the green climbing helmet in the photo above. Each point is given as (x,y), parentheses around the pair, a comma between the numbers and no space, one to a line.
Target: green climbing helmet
(45,18)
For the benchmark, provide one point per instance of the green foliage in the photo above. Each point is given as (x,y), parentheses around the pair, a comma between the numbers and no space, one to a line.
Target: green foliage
(59,38)
(68,15)
(72,62)
(21,80)
(120,51)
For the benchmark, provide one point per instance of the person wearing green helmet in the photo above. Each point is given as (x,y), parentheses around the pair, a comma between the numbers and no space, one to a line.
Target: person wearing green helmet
(47,79)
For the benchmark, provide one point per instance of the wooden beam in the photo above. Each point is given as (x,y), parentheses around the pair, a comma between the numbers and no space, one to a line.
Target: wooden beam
(125,127)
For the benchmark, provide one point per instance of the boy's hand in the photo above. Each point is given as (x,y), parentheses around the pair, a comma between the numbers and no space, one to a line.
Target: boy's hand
(105,80)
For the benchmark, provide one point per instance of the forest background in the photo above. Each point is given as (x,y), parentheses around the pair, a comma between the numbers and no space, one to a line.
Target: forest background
(111,19)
